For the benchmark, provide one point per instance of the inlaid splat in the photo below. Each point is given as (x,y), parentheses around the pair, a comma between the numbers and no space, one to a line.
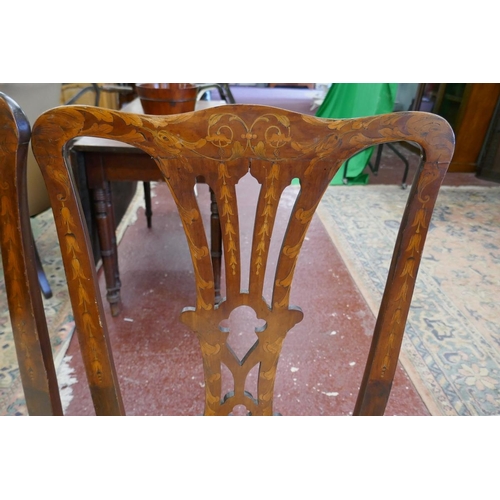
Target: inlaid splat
(241,328)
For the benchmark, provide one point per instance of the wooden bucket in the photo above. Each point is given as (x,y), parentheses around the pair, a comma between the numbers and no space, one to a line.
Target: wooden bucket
(167,98)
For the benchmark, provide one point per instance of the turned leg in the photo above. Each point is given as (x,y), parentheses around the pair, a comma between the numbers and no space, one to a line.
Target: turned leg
(107,241)
(216,244)
(147,202)
(112,231)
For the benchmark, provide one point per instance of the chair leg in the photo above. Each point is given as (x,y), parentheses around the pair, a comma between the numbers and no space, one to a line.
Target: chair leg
(392,147)
(147,201)
(101,200)
(216,244)
(375,168)
(42,278)
(228,95)
(405,161)
(344,175)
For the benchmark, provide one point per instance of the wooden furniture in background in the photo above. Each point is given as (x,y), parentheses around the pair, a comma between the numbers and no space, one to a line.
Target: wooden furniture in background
(469,108)
(106,95)
(105,162)
(223,145)
(489,166)
(29,328)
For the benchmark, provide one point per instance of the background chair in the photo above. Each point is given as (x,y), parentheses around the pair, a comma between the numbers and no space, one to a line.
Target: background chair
(98,89)
(412,104)
(34,99)
(223,89)
(29,327)
(223,145)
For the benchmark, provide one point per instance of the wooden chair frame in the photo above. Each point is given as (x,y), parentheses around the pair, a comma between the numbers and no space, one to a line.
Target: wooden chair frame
(27,314)
(223,145)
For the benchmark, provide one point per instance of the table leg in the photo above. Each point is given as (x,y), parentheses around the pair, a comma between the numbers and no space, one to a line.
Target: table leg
(216,244)
(112,230)
(107,241)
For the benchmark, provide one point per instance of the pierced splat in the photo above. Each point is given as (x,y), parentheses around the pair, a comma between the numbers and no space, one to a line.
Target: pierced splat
(242,328)
(263,353)
(222,145)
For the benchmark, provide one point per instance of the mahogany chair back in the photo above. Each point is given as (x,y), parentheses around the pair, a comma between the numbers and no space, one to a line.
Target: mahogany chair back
(27,314)
(222,145)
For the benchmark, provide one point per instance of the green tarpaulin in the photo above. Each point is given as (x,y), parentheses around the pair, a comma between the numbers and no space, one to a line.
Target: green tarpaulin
(354,100)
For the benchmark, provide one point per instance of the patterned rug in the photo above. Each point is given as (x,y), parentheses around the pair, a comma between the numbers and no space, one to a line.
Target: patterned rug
(59,320)
(57,310)
(451,348)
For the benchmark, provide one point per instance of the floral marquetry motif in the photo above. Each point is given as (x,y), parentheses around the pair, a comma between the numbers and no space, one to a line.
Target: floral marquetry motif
(222,145)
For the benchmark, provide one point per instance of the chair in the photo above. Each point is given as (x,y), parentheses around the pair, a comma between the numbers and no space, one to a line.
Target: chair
(223,145)
(29,327)
(34,99)
(97,90)
(414,106)
(223,88)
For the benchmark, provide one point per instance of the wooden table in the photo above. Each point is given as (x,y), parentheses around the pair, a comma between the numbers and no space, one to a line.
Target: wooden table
(106,161)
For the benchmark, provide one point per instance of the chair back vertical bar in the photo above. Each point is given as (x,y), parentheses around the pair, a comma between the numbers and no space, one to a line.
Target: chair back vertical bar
(50,153)
(29,326)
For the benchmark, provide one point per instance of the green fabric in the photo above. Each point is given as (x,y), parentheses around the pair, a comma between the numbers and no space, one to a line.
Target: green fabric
(354,100)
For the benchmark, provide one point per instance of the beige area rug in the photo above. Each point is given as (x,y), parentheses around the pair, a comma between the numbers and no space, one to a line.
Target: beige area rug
(57,310)
(451,349)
